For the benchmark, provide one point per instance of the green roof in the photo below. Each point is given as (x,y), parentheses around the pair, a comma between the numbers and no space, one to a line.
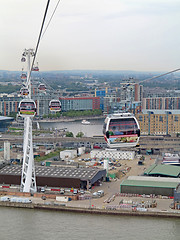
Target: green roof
(163,170)
(150,169)
(138,183)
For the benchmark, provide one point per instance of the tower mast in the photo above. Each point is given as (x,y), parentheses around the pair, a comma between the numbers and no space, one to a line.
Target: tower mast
(28,179)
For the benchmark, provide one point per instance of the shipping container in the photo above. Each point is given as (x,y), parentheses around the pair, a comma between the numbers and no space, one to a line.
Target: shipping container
(62,198)
(68,154)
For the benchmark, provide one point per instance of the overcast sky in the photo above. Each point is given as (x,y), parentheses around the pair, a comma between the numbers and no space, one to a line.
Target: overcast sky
(142,35)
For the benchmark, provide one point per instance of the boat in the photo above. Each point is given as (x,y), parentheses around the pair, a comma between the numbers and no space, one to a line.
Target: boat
(85,122)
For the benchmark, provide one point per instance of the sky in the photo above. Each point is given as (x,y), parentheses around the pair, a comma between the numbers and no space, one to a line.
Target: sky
(140,35)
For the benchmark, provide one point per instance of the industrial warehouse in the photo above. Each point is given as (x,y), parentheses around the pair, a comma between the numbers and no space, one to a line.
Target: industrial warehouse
(56,176)
(149,185)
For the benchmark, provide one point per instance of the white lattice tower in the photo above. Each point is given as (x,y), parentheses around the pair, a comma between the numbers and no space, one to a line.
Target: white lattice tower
(28,179)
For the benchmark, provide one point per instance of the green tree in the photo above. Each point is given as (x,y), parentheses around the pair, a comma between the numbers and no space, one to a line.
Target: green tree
(69,134)
(80,135)
(58,115)
(12,114)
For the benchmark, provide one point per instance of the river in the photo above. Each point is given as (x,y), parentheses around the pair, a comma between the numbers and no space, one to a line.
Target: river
(94,128)
(29,224)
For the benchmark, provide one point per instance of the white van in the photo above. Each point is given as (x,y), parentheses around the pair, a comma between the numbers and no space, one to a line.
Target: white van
(100,193)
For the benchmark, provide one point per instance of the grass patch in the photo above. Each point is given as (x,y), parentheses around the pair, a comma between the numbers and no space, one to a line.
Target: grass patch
(50,155)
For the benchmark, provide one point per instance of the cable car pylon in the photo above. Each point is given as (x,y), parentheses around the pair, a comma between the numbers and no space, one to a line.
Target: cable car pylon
(27,110)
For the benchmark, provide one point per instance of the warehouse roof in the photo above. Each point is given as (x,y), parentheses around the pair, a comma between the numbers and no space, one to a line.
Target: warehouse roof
(138,183)
(161,111)
(155,179)
(58,172)
(163,170)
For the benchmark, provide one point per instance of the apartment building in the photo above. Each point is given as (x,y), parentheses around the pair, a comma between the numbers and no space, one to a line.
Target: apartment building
(159,122)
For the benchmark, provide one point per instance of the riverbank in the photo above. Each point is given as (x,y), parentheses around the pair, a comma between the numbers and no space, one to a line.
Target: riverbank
(62,207)
(68,119)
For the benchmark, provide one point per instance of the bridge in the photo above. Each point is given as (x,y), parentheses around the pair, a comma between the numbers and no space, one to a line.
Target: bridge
(157,143)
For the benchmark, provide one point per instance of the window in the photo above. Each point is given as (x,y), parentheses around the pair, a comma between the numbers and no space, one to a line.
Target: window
(140,118)
(161,119)
(176,118)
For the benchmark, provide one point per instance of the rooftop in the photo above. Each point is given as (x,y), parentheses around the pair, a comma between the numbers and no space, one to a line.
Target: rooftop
(59,172)
(155,184)
(161,111)
(163,170)
(155,179)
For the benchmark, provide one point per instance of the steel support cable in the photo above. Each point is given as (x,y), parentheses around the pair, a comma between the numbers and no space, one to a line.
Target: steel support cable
(148,79)
(47,84)
(45,32)
(51,18)
(37,45)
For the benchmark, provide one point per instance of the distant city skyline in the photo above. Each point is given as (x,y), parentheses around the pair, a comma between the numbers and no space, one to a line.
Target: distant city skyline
(92,35)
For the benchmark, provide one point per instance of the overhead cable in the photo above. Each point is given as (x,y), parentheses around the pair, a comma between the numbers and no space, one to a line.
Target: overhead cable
(51,17)
(148,79)
(37,45)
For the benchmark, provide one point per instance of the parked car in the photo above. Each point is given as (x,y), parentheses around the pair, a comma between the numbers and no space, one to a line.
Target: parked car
(100,193)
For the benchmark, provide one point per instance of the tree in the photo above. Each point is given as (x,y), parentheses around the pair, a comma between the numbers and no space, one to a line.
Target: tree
(58,115)
(69,134)
(13,114)
(80,135)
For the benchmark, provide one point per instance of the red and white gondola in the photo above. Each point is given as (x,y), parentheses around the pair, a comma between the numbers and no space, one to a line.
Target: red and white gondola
(24,91)
(42,87)
(121,130)
(55,106)
(27,107)
(23,76)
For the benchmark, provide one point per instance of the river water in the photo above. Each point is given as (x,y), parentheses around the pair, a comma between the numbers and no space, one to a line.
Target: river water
(29,224)
(95,127)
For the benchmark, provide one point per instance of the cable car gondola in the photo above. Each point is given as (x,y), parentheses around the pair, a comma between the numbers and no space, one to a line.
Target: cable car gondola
(121,130)
(42,87)
(55,106)
(35,68)
(23,59)
(23,76)
(24,91)
(27,107)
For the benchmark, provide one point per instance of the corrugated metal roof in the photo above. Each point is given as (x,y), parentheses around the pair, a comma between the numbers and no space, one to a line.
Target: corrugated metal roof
(58,172)
(163,170)
(150,169)
(154,179)
(138,183)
